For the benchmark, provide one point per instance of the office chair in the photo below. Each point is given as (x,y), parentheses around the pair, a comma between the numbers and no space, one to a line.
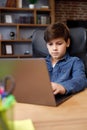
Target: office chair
(78,46)
(39,44)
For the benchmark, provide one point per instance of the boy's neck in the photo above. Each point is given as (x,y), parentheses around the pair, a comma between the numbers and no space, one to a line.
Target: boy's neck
(54,61)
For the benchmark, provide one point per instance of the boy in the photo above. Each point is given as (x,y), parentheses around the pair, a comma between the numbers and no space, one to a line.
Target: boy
(67,74)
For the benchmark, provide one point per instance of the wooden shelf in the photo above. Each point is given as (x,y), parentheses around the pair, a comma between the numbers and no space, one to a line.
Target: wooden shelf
(23,9)
(23,23)
(16,56)
(27,40)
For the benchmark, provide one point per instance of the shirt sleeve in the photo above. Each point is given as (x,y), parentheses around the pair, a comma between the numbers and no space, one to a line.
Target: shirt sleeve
(78,81)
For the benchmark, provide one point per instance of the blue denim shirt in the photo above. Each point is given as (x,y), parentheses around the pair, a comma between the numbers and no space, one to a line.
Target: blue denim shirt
(69,72)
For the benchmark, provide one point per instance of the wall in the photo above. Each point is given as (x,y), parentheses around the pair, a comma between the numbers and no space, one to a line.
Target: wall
(70,10)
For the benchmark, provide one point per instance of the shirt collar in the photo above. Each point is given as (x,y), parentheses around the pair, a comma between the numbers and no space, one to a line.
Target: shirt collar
(63,58)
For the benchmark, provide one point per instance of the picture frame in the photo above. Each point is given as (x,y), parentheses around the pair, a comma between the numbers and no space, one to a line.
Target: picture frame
(1,37)
(8,19)
(9,49)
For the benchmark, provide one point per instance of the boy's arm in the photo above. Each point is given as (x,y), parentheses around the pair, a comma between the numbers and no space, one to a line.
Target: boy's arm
(57,88)
(78,81)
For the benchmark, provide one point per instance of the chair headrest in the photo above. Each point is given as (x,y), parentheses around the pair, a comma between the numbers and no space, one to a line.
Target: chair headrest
(39,44)
(77,41)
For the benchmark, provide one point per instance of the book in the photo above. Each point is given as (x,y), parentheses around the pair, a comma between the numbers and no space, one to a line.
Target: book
(11,3)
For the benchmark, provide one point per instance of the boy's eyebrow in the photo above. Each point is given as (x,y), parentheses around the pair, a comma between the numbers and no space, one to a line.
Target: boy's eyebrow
(59,41)
(56,41)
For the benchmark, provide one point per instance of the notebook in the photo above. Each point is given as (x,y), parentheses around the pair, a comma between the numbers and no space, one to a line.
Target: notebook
(32,81)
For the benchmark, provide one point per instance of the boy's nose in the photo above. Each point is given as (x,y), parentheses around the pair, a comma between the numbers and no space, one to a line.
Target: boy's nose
(54,47)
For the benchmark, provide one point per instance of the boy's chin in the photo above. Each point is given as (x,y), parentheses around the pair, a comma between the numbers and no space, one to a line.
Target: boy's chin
(56,57)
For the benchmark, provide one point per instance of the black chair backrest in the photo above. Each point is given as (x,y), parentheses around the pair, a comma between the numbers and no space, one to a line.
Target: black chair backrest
(78,45)
(39,44)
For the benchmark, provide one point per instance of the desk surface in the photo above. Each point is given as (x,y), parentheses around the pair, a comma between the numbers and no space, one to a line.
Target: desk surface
(70,115)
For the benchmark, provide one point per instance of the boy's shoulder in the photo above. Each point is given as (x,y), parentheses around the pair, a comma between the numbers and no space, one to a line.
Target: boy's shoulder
(75,58)
(67,57)
(71,58)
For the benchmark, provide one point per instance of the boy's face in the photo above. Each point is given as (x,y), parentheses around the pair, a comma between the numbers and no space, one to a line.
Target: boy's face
(57,48)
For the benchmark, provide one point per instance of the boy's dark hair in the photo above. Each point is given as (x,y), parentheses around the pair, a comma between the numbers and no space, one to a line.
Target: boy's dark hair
(56,30)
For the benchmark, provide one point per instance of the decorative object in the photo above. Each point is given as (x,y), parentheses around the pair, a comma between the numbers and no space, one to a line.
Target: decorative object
(8,19)
(32,3)
(10,3)
(31,6)
(1,36)
(12,35)
(8,49)
(19,3)
(27,52)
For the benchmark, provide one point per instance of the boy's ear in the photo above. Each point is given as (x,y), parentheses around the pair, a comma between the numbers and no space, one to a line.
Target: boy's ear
(68,42)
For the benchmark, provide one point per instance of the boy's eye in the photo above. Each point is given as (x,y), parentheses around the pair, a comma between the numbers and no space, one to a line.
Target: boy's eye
(59,43)
(50,44)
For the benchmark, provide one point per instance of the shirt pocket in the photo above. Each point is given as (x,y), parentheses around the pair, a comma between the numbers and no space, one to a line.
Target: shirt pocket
(64,74)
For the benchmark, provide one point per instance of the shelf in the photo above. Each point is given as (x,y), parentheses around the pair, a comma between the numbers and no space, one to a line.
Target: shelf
(16,56)
(23,9)
(23,22)
(8,24)
(16,40)
(22,25)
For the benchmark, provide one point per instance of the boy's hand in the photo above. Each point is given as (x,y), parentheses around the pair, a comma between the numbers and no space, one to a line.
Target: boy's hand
(57,88)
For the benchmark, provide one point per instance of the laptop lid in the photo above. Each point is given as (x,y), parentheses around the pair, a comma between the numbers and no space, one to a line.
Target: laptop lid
(32,81)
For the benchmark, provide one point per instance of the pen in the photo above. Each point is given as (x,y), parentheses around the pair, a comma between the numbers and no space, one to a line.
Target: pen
(0,101)
(1,92)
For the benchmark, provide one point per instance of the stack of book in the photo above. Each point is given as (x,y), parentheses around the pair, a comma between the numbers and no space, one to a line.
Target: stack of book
(42,19)
(26,19)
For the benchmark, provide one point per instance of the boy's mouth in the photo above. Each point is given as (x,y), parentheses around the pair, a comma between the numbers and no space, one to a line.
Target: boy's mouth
(55,53)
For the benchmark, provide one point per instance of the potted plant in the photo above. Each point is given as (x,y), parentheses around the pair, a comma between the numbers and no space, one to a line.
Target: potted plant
(32,3)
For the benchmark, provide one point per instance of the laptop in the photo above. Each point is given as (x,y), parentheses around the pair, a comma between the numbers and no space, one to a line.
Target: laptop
(32,81)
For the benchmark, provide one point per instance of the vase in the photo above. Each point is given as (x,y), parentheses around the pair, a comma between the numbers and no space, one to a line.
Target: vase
(19,3)
(31,6)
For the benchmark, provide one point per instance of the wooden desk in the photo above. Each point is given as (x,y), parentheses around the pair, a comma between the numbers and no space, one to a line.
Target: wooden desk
(71,115)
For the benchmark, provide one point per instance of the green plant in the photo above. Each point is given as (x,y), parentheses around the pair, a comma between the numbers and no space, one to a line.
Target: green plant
(33,1)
